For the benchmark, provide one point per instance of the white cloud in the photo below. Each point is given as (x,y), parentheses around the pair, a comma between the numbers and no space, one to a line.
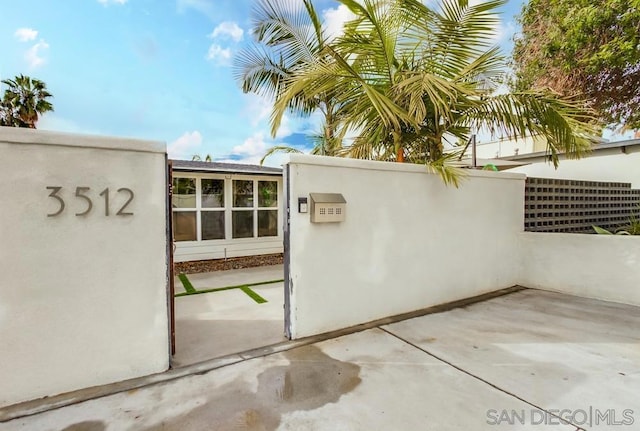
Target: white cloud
(504,32)
(220,55)
(252,146)
(34,55)
(334,20)
(286,127)
(26,34)
(257,108)
(252,150)
(185,146)
(249,152)
(226,30)
(108,2)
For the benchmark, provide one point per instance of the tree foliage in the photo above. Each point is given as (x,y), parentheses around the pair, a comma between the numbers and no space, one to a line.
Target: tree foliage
(288,34)
(408,77)
(199,158)
(584,47)
(23,101)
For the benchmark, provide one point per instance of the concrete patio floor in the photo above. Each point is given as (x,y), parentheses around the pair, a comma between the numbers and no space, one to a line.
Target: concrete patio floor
(215,324)
(531,352)
(232,277)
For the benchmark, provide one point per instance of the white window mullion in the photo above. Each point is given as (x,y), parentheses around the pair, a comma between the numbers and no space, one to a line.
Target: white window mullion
(255,210)
(228,205)
(198,208)
(280,209)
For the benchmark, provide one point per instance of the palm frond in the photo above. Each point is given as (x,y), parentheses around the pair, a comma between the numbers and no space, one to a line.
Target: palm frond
(289,35)
(278,149)
(259,71)
(456,34)
(406,77)
(567,125)
(24,100)
(447,172)
(349,88)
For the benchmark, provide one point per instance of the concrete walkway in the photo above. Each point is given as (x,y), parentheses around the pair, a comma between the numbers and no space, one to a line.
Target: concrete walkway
(232,277)
(511,363)
(215,324)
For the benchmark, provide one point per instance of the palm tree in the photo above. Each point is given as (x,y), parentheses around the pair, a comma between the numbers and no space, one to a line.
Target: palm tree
(328,142)
(289,34)
(198,158)
(24,101)
(408,78)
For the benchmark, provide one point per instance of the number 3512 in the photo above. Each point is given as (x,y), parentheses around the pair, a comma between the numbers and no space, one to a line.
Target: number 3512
(82,193)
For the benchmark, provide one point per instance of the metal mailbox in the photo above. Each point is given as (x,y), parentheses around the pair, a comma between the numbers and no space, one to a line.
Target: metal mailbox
(327,207)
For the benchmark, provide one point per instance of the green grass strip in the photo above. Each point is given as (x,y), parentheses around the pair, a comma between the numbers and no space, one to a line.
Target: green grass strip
(186,283)
(219,289)
(253,295)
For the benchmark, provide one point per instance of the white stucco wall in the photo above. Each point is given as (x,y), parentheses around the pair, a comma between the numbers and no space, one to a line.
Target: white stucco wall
(83,299)
(408,241)
(617,167)
(594,266)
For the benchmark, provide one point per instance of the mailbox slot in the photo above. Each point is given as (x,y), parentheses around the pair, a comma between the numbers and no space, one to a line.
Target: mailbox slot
(327,207)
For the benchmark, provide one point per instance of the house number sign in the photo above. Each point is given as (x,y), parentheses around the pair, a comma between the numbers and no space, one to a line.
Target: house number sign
(84,195)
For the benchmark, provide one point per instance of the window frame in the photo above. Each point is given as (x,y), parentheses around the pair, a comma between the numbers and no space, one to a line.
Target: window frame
(202,209)
(229,208)
(255,208)
(258,208)
(184,209)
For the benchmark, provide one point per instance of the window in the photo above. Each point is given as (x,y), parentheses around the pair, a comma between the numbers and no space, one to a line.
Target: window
(212,223)
(183,202)
(242,193)
(212,193)
(250,220)
(184,193)
(267,223)
(242,216)
(242,224)
(267,218)
(184,226)
(267,194)
(210,208)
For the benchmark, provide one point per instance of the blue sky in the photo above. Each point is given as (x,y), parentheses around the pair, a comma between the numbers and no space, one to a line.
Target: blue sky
(154,69)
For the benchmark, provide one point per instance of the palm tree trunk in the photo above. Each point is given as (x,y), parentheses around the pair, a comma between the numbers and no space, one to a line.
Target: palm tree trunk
(397,142)
(327,146)
(436,149)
